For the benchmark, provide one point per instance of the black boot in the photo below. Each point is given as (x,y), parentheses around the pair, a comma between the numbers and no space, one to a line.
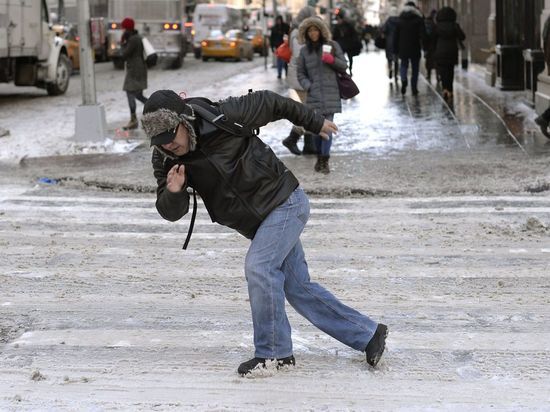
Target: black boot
(377,344)
(309,144)
(317,166)
(324,169)
(404,86)
(132,124)
(259,363)
(291,141)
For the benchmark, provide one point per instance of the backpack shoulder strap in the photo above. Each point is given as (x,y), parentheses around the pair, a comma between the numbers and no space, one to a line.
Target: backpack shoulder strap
(209,111)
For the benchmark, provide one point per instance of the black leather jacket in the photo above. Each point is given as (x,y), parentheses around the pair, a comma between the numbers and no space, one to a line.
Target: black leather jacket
(239,179)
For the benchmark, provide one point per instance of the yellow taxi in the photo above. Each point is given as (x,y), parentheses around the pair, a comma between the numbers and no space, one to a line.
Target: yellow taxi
(233,44)
(256,36)
(71,40)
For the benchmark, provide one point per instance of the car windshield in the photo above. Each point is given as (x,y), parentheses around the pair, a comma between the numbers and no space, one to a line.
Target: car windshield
(215,34)
(232,34)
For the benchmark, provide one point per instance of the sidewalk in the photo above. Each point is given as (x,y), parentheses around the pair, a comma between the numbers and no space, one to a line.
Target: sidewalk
(387,144)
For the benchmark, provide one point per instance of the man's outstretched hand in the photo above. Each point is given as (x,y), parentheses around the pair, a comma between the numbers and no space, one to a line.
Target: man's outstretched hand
(176,178)
(328,127)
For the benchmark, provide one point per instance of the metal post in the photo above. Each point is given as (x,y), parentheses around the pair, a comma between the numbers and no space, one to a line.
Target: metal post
(90,116)
(264,33)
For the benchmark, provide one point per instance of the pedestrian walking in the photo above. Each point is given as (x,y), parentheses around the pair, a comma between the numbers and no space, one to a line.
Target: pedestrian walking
(346,36)
(408,39)
(278,31)
(429,46)
(246,187)
(319,61)
(448,35)
(388,31)
(135,79)
(544,119)
(291,141)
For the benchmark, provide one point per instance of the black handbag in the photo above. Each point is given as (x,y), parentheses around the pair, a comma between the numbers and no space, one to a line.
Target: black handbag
(346,86)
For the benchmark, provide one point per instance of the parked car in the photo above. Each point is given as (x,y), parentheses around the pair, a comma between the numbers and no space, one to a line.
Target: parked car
(232,44)
(71,41)
(256,36)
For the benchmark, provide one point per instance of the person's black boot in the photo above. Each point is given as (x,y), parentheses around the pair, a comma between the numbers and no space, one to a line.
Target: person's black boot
(376,346)
(291,143)
(324,169)
(404,86)
(288,361)
(318,163)
(309,145)
(543,124)
(259,363)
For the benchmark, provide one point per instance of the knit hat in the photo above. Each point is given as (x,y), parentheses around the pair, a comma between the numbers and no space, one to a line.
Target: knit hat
(128,23)
(163,112)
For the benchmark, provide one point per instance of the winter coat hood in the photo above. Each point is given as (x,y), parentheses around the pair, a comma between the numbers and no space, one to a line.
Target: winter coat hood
(303,14)
(313,21)
(410,12)
(446,14)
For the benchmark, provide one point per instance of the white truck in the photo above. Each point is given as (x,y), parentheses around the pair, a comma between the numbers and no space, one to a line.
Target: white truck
(160,21)
(31,54)
(211,16)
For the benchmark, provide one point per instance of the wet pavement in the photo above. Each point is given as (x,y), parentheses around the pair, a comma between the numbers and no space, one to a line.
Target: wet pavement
(387,144)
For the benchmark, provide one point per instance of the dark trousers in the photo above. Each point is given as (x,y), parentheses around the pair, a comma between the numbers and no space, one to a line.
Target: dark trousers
(446,73)
(132,96)
(350,59)
(415,65)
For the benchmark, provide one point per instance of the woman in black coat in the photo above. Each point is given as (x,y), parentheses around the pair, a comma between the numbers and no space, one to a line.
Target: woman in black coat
(135,80)
(447,36)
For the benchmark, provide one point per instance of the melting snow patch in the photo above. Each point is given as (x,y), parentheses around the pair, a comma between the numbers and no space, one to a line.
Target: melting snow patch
(534,224)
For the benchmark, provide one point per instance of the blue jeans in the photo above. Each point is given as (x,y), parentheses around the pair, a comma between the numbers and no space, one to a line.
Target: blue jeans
(275,269)
(281,65)
(415,64)
(323,146)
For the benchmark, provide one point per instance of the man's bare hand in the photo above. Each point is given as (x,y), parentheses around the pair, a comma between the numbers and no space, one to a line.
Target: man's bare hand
(176,178)
(328,127)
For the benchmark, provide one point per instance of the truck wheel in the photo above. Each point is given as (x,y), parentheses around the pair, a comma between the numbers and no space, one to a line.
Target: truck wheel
(197,53)
(177,62)
(118,63)
(62,74)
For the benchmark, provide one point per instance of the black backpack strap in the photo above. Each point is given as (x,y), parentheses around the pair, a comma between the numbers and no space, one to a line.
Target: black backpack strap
(192,223)
(206,112)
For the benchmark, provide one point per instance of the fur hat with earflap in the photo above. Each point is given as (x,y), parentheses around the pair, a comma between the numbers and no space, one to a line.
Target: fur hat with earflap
(316,22)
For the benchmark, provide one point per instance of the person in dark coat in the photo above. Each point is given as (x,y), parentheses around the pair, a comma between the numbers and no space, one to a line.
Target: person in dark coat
(447,36)
(317,70)
(346,36)
(429,45)
(408,39)
(544,119)
(244,186)
(135,80)
(278,32)
(388,30)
